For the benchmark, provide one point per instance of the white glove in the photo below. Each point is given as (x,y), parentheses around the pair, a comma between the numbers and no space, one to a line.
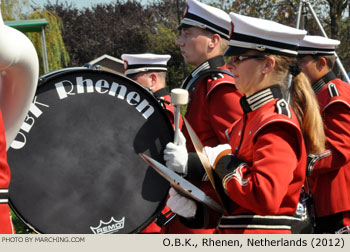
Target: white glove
(181,205)
(176,156)
(213,152)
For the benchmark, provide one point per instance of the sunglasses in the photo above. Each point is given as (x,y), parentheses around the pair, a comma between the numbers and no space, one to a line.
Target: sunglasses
(240,58)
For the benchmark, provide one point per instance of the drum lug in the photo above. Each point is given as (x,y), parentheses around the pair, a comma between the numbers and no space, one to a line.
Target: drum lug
(164,219)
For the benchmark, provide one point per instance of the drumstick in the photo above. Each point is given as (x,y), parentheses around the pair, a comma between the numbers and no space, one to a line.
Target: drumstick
(179,97)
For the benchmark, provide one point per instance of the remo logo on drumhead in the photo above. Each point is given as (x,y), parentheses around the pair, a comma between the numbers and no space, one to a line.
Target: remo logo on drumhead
(108,227)
(75,166)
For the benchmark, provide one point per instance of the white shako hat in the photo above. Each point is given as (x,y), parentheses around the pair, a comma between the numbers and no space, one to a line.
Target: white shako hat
(206,17)
(249,33)
(136,63)
(317,45)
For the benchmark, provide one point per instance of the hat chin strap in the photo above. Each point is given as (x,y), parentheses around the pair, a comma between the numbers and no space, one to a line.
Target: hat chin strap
(315,52)
(260,47)
(194,23)
(145,69)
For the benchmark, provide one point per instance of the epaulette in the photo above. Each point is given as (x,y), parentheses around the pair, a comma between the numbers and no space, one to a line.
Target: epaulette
(333,91)
(216,76)
(282,108)
(190,83)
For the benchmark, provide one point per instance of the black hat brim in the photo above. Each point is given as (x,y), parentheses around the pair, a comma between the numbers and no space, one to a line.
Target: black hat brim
(183,26)
(233,50)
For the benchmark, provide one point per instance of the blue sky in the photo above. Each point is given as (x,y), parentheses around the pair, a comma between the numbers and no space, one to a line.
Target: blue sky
(78,3)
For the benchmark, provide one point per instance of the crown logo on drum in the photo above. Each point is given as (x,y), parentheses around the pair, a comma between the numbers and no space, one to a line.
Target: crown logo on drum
(108,227)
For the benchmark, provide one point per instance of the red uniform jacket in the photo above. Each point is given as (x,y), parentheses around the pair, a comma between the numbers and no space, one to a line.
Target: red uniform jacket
(264,186)
(213,107)
(330,180)
(5,218)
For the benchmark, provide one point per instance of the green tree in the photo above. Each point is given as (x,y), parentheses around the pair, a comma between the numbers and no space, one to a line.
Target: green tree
(331,14)
(167,15)
(113,29)
(123,27)
(56,50)
(163,42)
(57,54)
(13,9)
(336,12)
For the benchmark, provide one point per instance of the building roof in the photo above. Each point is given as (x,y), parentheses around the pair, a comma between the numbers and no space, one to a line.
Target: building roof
(109,63)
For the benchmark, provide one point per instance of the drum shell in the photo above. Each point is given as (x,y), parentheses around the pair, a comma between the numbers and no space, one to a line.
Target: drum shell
(79,170)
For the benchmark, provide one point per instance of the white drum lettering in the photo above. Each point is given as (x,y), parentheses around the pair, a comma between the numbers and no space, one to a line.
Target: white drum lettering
(27,126)
(34,108)
(60,88)
(120,89)
(16,144)
(102,86)
(28,123)
(80,85)
(141,107)
(133,98)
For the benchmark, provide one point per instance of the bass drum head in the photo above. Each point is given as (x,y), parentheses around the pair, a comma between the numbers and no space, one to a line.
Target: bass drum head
(74,164)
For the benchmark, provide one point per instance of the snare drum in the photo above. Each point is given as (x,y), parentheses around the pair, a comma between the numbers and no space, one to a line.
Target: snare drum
(74,164)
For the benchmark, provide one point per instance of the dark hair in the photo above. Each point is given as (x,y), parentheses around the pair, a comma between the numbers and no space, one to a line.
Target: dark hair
(295,68)
(330,59)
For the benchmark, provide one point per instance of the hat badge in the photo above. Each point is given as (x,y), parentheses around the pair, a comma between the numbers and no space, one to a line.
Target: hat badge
(232,29)
(126,64)
(186,10)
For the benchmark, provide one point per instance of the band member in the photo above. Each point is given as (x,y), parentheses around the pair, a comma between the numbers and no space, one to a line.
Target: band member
(214,99)
(149,70)
(330,172)
(6,226)
(260,181)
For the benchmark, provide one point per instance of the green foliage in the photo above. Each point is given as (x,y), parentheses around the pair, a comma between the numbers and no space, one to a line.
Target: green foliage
(123,27)
(103,29)
(283,11)
(56,51)
(330,13)
(167,15)
(13,9)
(20,227)
(162,42)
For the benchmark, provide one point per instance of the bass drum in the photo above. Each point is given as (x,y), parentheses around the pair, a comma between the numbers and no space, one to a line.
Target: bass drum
(75,164)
